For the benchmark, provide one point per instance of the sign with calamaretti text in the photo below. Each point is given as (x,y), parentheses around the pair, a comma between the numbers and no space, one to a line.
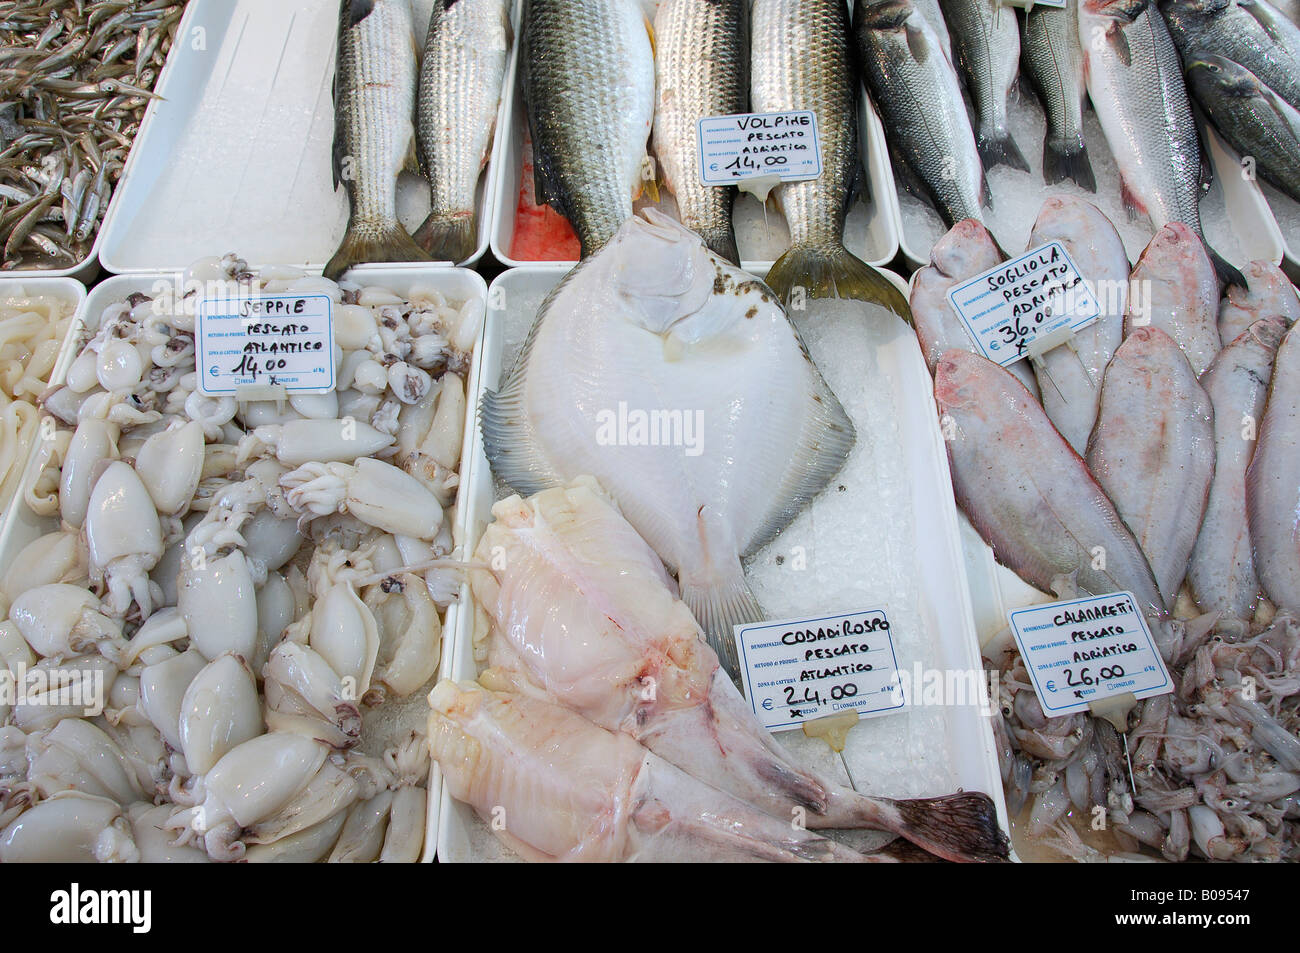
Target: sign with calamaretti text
(796,670)
(1007,307)
(1085,650)
(265,341)
(748,145)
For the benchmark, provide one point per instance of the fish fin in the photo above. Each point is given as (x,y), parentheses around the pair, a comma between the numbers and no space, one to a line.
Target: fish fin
(1227,273)
(998,148)
(1133,205)
(649,183)
(1060,164)
(1119,43)
(452,240)
(959,827)
(916,44)
(722,242)
(411,161)
(391,245)
(834,272)
(986,193)
(719,606)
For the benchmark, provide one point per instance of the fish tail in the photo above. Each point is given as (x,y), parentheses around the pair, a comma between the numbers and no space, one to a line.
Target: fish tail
(1068,161)
(998,148)
(722,242)
(1226,272)
(833,272)
(959,827)
(718,607)
(449,237)
(371,244)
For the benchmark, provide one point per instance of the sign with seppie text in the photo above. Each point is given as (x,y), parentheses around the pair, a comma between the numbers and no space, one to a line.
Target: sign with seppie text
(261,341)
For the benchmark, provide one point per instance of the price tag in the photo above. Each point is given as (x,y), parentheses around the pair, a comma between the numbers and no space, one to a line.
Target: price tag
(270,340)
(734,148)
(800,669)
(1007,307)
(1086,650)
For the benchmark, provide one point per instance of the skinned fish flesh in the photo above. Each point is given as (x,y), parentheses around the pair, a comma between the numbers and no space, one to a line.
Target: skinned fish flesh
(584,616)
(1027,493)
(657,333)
(1177,292)
(702,70)
(374,131)
(1268,293)
(1273,482)
(1152,451)
(589,84)
(461,76)
(1221,573)
(565,789)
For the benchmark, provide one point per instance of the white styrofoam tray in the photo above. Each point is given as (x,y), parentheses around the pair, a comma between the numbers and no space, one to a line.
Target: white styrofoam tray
(870,231)
(238,153)
(21,526)
(1235,214)
(943,594)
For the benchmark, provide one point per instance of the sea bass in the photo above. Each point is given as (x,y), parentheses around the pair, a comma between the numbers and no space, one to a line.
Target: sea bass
(986,39)
(1268,293)
(584,615)
(678,382)
(702,70)
(1221,573)
(1027,493)
(801,59)
(589,83)
(1152,451)
(460,90)
(1135,81)
(1053,59)
(919,96)
(374,134)
(1223,28)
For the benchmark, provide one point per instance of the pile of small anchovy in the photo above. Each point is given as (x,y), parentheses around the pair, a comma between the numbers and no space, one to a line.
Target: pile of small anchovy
(75,79)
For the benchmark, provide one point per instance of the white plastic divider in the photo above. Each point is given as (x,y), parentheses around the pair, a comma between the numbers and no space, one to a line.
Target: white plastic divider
(21,526)
(871,232)
(237,156)
(944,598)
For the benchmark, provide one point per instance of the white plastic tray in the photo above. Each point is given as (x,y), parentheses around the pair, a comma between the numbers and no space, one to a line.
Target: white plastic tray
(943,596)
(237,155)
(871,232)
(1242,218)
(21,526)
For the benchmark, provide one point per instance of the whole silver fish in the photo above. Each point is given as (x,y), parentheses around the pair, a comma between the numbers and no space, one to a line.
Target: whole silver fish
(460,90)
(1273,482)
(702,69)
(986,39)
(1174,289)
(1268,292)
(1070,381)
(1280,19)
(800,59)
(919,96)
(374,131)
(1053,58)
(1027,493)
(1152,451)
(1221,573)
(589,82)
(1135,81)
(1250,116)
(1223,28)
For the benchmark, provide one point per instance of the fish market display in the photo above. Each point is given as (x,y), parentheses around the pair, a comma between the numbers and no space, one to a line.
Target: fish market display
(584,615)
(1053,59)
(1153,451)
(1180,294)
(702,70)
(374,129)
(1136,86)
(1070,378)
(986,40)
(32,329)
(1251,117)
(1268,293)
(801,60)
(917,90)
(247,593)
(1273,482)
(461,76)
(568,790)
(589,83)
(77,80)
(1221,574)
(1225,30)
(678,382)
